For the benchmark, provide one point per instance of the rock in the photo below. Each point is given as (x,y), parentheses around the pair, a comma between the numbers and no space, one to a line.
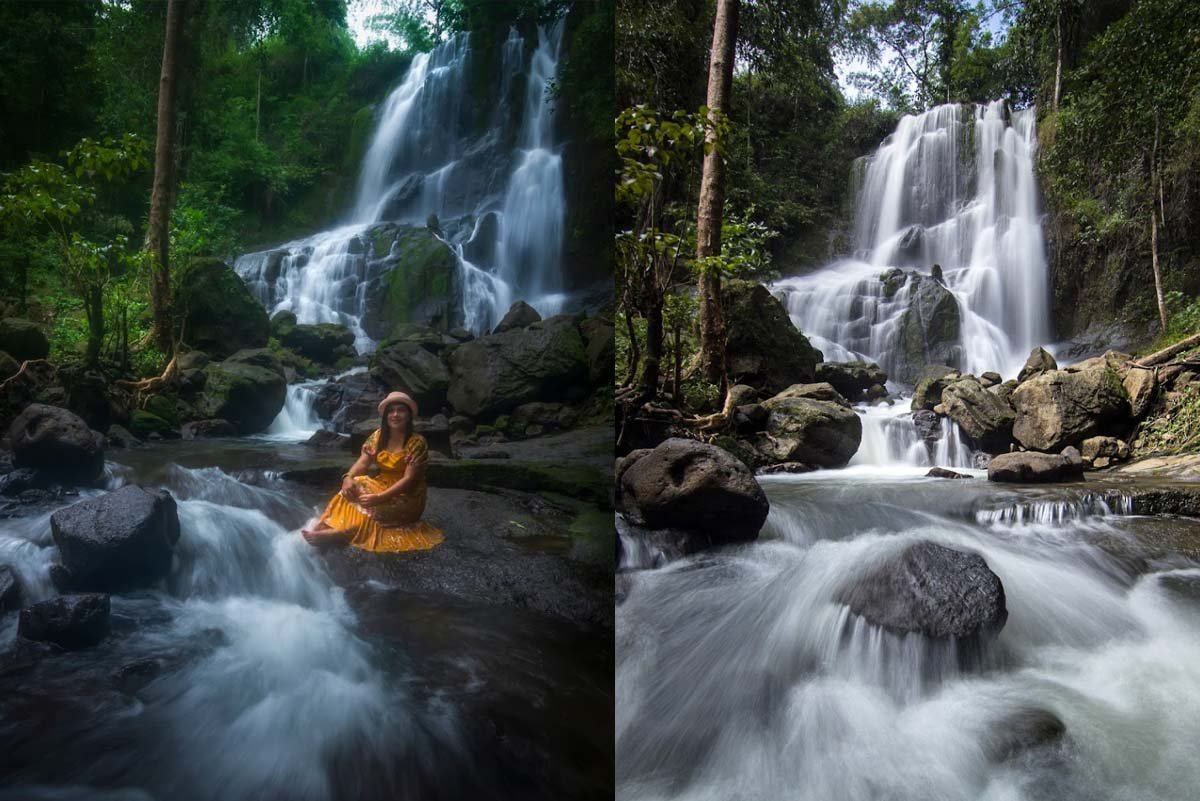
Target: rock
(58,443)
(219,315)
(928,589)
(1022,731)
(350,399)
(549,416)
(324,343)
(764,349)
(493,374)
(436,431)
(931,382)
(811,431)
(33,382)
(1110,358)
(1004,391)
(23,340)
(69,621)
(877,392)
(990,379)
(259,357)
(198,359)
(17,482)
(121,437)
(329,440)
(1104,447)
(519,315)
(929,330)
(986,419)
(1140,384)
(118,541)
(851,379)
(205,429)
(420,284)
(742,394)
(1039,361)
(245,394)
(928,425)
(690,485)
(412,369)
(90,396)
(147,424)
(941,472)
(1058,408)
(786,468)
(281,323)
(1033,468)
(600,344)
(8,366)
(819,391)
(750,418)
(10,589)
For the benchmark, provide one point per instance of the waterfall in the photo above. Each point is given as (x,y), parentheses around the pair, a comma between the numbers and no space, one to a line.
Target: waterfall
(443,147)
(890,439)
(952,187)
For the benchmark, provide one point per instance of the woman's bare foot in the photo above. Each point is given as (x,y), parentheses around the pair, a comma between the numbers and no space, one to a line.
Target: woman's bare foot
(322,535)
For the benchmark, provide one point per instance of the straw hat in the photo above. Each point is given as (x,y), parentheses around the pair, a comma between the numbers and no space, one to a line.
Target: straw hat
(398,397)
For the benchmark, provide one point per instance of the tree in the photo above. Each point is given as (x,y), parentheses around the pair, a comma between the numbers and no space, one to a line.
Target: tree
(712,195)
(158,236)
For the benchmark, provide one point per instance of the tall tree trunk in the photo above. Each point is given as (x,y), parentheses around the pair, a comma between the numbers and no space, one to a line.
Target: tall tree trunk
(158,233)
(93,306)
(1154,179)
(258,105)
(1058,62)
(712,196)
(635,350)
(652,366)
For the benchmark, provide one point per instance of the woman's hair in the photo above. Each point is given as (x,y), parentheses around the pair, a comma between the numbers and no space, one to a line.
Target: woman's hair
(384,431)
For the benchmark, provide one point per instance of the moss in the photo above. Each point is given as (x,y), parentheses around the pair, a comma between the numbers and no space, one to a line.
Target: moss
(143,424)
(162,407)
(502,422)
(381,241)
(484,430)
(360,132)
(425,268)
(219,314)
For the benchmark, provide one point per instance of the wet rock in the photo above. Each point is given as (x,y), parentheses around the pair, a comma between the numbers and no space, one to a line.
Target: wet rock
(764,350)
(410,368)
(928,425)
(930,384)
(545,362)
(323,343)
(219,315)
(23,340)
(148,425)
(1029,467)
(986,419)
(204,429)
(117,541)
(258,357)
(742,394)
(548,416)
(693,486)
(785,468)
(69,621)
(519,315)
(941,472)
(815,432)
(23,479)
(822,391)
(10,589)
(198,359)
(421,283)
(246,394)
(1058,408)
(851,379)
(1022,731)
(1039,361)
(990,379)
(133,676)
(330,440)
(58,443)
(121,437)
(600,344)
(93,398)
(1109,448)
(932,590)
(877,392)
(929,330)
(1141,385)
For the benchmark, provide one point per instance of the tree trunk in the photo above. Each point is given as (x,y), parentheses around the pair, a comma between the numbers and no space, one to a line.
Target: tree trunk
(712,196)
(158,231)
(648,385)
(258,105)
(93,306)
(635,350)
(676,379)
(1058,62)
(1154,179)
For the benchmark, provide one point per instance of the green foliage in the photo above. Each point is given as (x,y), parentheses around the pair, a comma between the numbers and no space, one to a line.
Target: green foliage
(1177,429)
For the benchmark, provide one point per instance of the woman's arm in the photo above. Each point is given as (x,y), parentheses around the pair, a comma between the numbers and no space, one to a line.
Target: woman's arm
(413,474)
(359,468)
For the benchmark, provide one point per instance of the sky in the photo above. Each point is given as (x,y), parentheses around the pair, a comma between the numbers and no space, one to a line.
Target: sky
(358,12)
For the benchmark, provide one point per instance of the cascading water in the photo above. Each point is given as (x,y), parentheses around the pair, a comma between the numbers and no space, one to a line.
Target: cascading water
(498,199)
(952,187)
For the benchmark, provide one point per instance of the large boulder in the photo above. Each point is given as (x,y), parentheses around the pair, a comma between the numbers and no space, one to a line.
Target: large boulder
(419,283)
(324,343)
(246,394)
(493,374)
(929,330)
(118,541)
(764,349)
(410,368)
(1141,384)
(851,379)
(928,589)
(57,443)
(820,390)
(983,416)
(92,397)
(600,344)
(816,432)
(69,621)
(1059,408)
(219,315)
(683,484)
(350,399)
(1039,361)
(519,315)
(1028,467)
(931,382)
(23,340)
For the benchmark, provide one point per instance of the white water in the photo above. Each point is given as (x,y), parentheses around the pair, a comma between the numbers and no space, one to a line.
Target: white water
(500,210)
(890,439)
(740,676)
(958,182)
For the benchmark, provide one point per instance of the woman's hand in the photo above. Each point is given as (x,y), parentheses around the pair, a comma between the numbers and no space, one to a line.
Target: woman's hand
(368,450)
(370,499)
(349,489)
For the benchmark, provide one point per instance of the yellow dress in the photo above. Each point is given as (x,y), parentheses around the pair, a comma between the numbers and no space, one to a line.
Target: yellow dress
(393,526)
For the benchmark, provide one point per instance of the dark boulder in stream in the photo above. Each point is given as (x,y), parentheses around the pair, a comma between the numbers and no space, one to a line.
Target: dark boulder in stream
(1035,468)
(932,590)
(58,443)
(115,542)
(69,621)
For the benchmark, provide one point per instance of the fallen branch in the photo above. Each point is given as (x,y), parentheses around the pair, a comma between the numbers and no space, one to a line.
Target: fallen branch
(1166,353)
(155,384)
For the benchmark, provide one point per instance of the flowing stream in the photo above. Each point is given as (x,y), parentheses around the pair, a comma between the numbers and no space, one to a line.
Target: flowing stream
(249,674)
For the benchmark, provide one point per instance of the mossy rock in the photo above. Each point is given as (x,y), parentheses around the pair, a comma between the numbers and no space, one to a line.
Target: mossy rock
(164,408)
(219,314)
(764,349)
(143,423)
(247,395)
(420,286)
(23,339)
(574,481)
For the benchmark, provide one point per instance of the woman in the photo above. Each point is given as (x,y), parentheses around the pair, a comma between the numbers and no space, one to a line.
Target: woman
(383,513)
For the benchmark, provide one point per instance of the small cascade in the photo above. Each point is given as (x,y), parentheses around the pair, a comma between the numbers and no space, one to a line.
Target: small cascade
(298,419)
(952,187)
(890,438)
(495,199)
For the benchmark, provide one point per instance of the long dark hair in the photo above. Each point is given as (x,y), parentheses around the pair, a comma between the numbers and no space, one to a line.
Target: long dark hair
(385,431)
